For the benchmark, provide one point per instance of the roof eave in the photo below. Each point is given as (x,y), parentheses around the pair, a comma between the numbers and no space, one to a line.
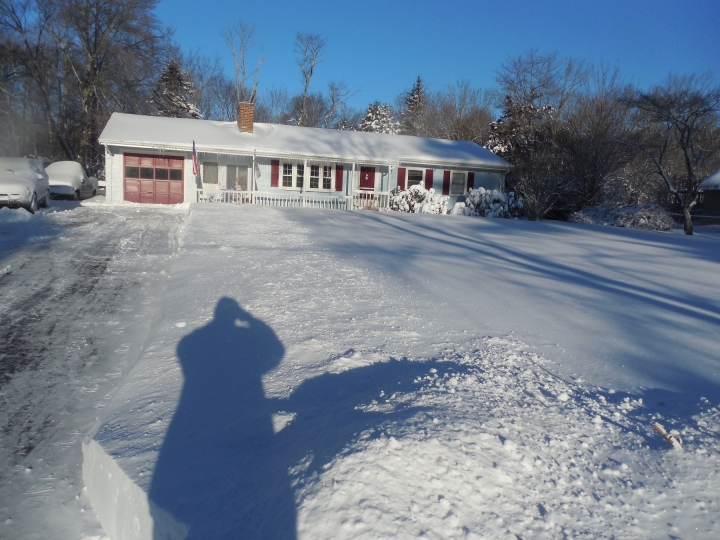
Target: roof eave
(419,160)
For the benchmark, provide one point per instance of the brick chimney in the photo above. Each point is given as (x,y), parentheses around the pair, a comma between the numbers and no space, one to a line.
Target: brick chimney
(246,116)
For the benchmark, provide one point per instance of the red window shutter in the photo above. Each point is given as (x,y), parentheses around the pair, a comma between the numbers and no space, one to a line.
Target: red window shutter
(338,177)
(471,181)
(401,178)
(275,173)
(428,178)
(446,183)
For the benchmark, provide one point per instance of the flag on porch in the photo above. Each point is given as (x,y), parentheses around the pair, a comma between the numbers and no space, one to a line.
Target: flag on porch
(196,169)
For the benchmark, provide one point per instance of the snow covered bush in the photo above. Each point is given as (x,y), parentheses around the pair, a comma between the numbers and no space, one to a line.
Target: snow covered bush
(489,203)
(650,217)
(418,200)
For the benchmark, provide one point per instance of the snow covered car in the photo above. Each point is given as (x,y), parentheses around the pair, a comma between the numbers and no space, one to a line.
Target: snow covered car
(23,183)
(68,180)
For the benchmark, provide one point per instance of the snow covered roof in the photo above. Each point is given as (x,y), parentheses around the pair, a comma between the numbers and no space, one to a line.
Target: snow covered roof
(278,140)
(711,183)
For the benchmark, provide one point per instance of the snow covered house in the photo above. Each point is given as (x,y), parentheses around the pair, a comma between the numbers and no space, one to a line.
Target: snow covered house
(711,194)
(150,160)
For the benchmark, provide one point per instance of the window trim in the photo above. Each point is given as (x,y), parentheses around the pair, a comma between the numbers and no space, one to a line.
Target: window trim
(306,176)
(204,175)
(464,188)
(421,183)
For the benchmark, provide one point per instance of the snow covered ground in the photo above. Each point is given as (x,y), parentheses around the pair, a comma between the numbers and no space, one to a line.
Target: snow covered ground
(318,374)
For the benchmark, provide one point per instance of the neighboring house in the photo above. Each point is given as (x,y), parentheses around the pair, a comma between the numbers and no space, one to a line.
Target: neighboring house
(150,159)
(711,194)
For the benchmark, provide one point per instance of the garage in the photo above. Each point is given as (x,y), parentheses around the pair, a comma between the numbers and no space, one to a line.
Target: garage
(153,179)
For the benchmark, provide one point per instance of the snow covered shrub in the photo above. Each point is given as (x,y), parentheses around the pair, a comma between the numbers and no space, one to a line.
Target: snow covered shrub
(489,203)
(650,217)
(418,200)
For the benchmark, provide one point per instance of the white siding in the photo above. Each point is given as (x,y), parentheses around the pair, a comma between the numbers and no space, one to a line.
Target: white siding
(114,174)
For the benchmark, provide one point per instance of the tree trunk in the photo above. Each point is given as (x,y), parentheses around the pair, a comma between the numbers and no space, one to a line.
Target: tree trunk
(688,226)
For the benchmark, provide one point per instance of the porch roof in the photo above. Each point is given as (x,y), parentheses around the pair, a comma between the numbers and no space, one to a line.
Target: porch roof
(711,183)
(276,140)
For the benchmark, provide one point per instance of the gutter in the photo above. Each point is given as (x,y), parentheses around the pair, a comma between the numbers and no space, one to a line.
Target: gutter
(288,155)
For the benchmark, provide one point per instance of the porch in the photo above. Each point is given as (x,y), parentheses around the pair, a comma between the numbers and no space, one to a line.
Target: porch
(358,200)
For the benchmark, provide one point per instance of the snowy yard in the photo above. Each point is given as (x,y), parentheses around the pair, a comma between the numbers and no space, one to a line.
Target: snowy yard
(263,372)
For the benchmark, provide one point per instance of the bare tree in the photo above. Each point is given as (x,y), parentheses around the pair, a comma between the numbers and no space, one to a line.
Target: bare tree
(107,44)
(541,79)
(461,113)
(597,125)
(338,96)
(679,126)
(239,39)
(309,48)
(27,39)
(273,106)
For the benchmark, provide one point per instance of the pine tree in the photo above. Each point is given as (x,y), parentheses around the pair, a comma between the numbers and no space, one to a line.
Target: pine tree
(345,125)
(414,117)
(379,119)
(172,95)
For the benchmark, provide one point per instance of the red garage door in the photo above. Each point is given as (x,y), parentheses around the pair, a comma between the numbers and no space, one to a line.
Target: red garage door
(153,179)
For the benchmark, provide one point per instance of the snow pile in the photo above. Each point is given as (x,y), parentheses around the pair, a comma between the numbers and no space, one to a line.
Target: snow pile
(11,215)
(650,217)
(492,203)
(418,200)
(496,446)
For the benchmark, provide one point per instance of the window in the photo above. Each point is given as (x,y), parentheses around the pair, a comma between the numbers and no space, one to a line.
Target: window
(236,177)
(210,173)
(154,167)
(300,176)
(287,180)
(457,183)
(319,177)
(414,177)
(314,176)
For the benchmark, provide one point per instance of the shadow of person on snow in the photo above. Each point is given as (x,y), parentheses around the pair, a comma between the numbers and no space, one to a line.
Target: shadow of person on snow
(222,472)
(214,471)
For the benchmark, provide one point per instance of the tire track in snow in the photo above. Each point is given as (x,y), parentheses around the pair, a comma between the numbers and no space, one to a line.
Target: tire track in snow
(69,306)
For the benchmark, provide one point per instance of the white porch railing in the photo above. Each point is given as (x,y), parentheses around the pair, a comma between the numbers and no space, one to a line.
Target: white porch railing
(359,200)
(370,200)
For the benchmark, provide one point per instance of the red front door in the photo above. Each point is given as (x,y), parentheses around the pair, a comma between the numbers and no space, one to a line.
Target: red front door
(367,178)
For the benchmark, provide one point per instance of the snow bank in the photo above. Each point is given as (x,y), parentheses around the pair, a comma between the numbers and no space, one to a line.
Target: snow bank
(501,448)
(650,217)
(14,215)
(123,507)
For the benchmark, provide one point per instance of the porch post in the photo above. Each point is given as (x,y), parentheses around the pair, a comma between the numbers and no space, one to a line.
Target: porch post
(306,178)
(252,185)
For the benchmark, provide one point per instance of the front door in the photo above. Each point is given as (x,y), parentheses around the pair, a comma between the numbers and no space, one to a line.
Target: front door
(367,178)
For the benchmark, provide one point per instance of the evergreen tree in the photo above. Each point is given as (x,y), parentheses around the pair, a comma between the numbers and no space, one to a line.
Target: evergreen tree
(414,116)
(173,93)
(345,124)
(379,119)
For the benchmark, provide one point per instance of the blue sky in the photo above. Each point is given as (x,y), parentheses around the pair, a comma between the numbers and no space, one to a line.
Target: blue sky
(378,48)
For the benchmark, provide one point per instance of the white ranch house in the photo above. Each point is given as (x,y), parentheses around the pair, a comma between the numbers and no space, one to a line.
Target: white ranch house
(150,160)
